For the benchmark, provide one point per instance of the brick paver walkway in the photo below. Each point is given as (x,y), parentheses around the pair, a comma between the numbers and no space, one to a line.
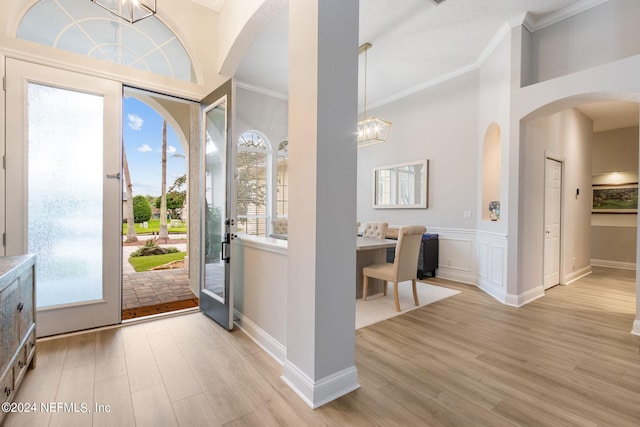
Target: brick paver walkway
(153,287)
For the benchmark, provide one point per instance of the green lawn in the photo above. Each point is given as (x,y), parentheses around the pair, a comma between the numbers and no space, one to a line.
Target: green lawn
(144,263)
(154,227)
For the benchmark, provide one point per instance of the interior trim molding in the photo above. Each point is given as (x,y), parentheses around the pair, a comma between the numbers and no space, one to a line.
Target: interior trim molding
(533,25)
(527,21)
(499,294)
(269,344)
(268,244)
(321,392)
(261,90)
(636,327)
(613,264)
(576,275)
(524,298)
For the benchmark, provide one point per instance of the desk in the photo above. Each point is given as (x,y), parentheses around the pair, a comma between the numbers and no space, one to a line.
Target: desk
(370,251)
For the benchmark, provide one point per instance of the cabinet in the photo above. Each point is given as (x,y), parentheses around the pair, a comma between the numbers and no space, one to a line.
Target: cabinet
(428,257)
(17,323)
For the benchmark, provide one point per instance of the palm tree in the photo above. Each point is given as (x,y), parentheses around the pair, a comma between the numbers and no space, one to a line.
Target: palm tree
(131,225)
(164,234)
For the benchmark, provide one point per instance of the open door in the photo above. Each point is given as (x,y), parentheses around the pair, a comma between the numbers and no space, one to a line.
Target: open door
(218,213)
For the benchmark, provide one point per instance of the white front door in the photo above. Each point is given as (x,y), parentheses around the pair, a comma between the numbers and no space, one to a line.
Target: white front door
(63,160)
(552,215)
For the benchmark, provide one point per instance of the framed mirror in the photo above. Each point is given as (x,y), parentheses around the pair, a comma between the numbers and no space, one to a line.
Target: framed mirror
(403,185)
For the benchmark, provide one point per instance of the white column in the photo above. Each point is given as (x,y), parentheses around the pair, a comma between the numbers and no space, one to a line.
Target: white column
(323,81)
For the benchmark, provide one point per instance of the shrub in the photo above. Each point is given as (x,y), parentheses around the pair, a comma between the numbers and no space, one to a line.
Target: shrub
(141,209)
(151,248)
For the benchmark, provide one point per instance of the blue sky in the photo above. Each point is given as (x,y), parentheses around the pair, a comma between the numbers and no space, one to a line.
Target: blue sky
(142,133)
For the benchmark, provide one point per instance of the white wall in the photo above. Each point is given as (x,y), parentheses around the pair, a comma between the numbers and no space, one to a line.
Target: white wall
(439,124)
(264,113)
(259,277)
(597,36)
(494,107)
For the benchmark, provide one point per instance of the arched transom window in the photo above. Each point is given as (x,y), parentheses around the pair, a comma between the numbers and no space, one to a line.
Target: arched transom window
(83,27)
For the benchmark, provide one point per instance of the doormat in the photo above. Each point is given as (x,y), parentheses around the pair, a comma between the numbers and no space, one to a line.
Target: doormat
(134,313)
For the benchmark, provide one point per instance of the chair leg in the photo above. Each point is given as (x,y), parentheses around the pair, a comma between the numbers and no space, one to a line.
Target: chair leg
(415,292)
(364,287)
(384,288)
(395,295)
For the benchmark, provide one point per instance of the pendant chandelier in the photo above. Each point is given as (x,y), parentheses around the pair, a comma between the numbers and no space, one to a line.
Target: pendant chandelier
(371,130)
(130,10)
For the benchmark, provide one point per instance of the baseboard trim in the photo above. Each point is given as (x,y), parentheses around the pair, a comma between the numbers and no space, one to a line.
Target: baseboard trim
(318,393)
(613,264)
(524,298)
(577,275)
(636,327)
(456,275)
(495,292)
(272,346)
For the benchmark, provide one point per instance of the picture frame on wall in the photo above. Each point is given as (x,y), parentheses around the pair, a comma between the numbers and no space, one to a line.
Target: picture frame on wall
(621,198)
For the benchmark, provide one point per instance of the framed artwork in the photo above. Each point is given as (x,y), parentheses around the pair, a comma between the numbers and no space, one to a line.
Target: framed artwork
(615,198)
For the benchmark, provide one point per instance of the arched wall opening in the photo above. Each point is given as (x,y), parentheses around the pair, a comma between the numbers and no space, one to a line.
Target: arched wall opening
(564,129)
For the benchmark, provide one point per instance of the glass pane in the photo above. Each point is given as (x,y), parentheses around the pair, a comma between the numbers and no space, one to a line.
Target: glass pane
(84,27)
(65,194)
(215,199)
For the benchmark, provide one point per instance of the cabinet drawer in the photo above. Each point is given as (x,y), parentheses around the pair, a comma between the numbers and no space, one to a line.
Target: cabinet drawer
(6,386)
(30,345)
(19,366)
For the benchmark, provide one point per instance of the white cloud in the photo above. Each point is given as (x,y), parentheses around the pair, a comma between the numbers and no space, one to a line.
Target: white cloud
(170,150)
(144,148)
(135,122)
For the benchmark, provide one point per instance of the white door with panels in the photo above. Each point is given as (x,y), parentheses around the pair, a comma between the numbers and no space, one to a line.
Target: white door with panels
(552,224)
(63,160)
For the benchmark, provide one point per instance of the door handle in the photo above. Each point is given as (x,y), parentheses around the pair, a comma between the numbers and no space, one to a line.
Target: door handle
(225,256)
(113,175)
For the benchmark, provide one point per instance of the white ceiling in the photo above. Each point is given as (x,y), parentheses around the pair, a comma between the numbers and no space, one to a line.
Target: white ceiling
(215,5)
(416,44)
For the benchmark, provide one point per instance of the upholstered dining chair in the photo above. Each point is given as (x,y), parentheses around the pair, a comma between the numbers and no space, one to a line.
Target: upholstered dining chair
(404,266)
(375,230)
(280,226)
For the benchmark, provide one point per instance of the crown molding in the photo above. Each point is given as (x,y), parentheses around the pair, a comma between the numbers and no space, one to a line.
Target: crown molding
(261,90)
(533,25)
(526,20)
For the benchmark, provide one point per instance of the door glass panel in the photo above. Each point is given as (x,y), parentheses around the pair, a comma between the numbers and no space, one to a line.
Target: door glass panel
(215,200)
(65,202)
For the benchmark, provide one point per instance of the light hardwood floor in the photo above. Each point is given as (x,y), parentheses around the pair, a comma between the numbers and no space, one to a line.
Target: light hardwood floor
(565,359)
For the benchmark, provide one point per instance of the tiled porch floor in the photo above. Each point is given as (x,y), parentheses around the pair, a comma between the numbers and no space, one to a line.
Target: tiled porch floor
(155,287)
(152,287)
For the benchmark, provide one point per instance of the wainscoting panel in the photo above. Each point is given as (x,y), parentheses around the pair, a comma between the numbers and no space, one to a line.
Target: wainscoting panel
(492,264)
(456,254)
